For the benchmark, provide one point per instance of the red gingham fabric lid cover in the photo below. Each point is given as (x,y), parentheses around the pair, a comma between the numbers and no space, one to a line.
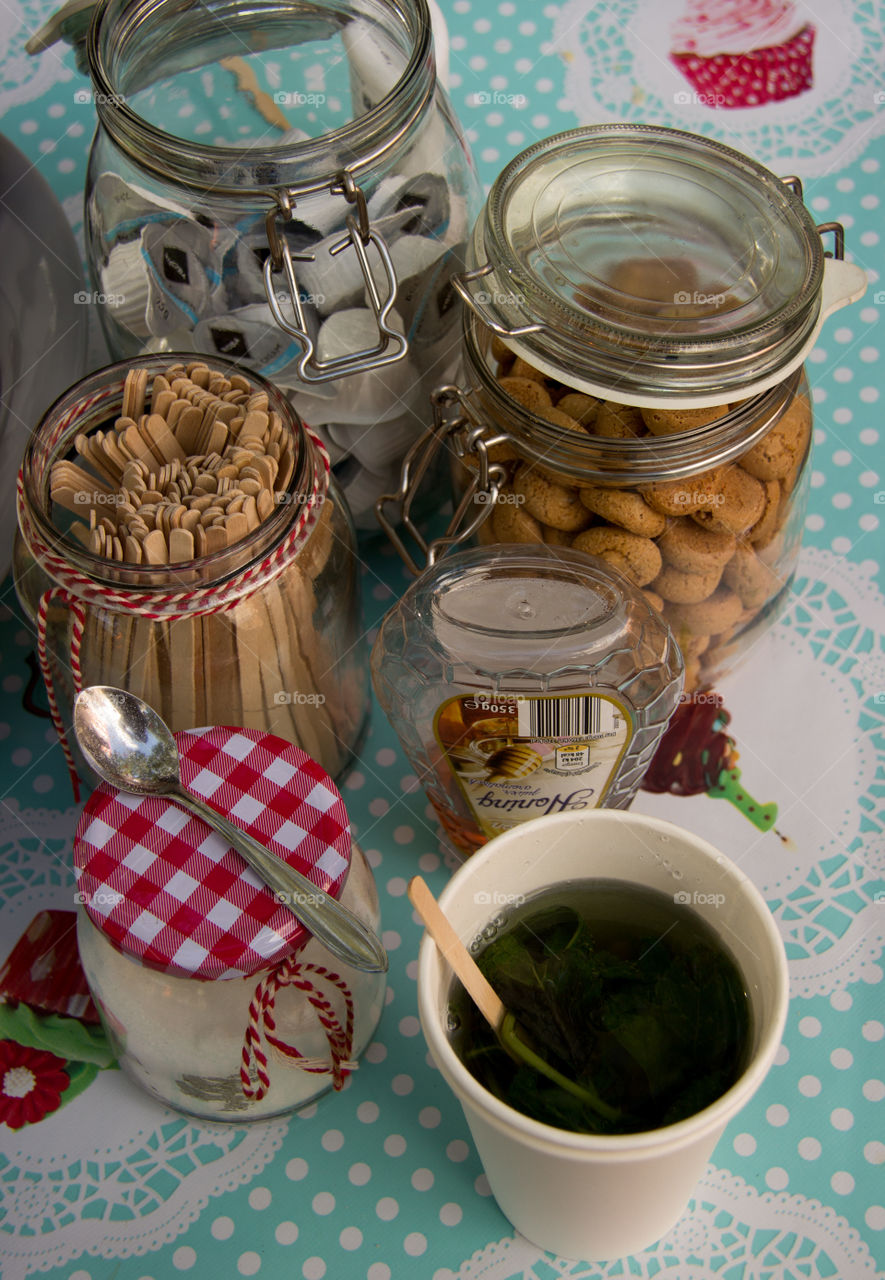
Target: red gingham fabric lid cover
(168,891)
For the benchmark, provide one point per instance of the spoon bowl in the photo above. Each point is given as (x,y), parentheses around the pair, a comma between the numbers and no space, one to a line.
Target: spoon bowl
(130,746)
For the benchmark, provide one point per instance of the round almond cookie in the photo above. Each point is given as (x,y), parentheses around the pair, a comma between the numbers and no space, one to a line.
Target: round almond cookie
(638,558)
(762,532)
(653,599)
(618,421)
(773,457)
(557,537)
(693,646)
(565,422)
(625,508)
(737,506)
(668,422)
(532,395)
(522,369)
(686,546)
(803,441)
(485,534)
(678,587)
(692,674)
(584,409)
(501,353)
(559,418)
(549,502)
(752,579)
(717,613)
(681,497)
(512,523)
(727,644)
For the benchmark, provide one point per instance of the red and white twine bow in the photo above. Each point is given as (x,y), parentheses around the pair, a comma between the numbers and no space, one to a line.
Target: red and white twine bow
(262,1025)
(79,591)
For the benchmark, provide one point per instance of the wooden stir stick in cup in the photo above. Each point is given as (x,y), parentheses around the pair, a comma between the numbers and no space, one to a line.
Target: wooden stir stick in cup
(511,1037)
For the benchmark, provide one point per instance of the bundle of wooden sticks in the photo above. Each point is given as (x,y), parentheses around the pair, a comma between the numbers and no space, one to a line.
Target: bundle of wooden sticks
(190,474)
(194,463)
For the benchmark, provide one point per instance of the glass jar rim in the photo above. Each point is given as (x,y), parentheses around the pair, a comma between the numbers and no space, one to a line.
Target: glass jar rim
(100,392)
(302,167)
(584,233)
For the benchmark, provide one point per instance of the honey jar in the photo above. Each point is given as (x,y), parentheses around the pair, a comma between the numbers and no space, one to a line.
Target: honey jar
(524,681)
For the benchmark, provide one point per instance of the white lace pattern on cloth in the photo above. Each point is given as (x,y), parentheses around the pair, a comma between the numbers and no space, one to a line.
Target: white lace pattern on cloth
(618,70)
(23,78)
(730,1230)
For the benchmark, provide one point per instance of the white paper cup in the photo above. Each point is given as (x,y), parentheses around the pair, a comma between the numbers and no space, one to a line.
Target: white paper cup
(583,1196)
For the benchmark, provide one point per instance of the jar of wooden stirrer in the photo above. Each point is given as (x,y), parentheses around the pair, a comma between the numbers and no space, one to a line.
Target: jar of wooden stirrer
(181,537)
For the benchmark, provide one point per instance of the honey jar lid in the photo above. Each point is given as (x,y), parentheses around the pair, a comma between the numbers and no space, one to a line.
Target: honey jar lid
(166,889)
(652,266)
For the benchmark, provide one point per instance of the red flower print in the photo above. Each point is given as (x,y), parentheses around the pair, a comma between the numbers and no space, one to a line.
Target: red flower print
(31,1084)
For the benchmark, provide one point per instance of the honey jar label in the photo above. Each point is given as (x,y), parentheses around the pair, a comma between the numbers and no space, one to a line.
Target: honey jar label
(515,757)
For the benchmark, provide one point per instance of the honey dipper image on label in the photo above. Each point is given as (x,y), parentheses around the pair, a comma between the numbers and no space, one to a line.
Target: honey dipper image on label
(515,758)
(696,756)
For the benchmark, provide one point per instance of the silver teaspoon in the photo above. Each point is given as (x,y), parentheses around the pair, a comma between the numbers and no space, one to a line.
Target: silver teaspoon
(130,746)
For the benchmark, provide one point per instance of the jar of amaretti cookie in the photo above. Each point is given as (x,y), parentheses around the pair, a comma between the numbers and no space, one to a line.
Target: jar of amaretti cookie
(641,301)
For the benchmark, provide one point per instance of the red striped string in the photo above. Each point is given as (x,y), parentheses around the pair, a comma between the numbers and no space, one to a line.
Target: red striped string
(262,1025)
(57,593)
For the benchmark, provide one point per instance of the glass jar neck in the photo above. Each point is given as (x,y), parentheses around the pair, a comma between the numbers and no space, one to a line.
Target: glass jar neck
(649,460)
(132,45)
(91,405)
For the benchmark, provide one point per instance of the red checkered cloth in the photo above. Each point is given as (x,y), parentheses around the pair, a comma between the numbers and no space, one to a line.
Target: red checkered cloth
(167,890)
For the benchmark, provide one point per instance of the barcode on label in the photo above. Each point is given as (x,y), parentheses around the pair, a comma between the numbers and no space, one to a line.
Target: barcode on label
(565,717)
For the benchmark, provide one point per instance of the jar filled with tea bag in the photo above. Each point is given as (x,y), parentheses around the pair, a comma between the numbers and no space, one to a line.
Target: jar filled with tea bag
(641,304)
(285,186)
(215,998)
(181,537)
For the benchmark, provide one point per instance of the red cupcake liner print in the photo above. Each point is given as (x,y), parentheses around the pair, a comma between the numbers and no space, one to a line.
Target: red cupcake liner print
(730,80)
(31,1084)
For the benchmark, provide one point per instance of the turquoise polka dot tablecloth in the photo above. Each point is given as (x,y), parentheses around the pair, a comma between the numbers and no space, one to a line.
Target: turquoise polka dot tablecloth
(381,1181)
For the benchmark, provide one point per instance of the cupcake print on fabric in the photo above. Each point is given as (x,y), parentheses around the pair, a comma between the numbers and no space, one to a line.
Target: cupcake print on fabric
(796,84)
(743,53)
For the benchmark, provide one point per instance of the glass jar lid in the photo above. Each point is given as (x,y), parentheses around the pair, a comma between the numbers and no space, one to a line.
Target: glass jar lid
(647,262)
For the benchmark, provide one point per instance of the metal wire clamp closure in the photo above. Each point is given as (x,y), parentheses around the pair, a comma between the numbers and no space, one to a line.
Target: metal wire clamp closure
(463,435)
(391,346)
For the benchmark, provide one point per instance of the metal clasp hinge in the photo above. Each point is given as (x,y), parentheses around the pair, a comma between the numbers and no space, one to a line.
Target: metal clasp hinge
(480,303)
(391,346)
(464,436)
(836,228)
(838,233)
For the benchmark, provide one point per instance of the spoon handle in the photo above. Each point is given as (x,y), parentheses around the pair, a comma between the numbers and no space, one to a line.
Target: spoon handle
(332,924)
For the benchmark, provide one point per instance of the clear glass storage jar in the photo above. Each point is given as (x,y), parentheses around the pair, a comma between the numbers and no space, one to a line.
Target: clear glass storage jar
(641,302)
(264,632)
(285,185)
(214,996)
